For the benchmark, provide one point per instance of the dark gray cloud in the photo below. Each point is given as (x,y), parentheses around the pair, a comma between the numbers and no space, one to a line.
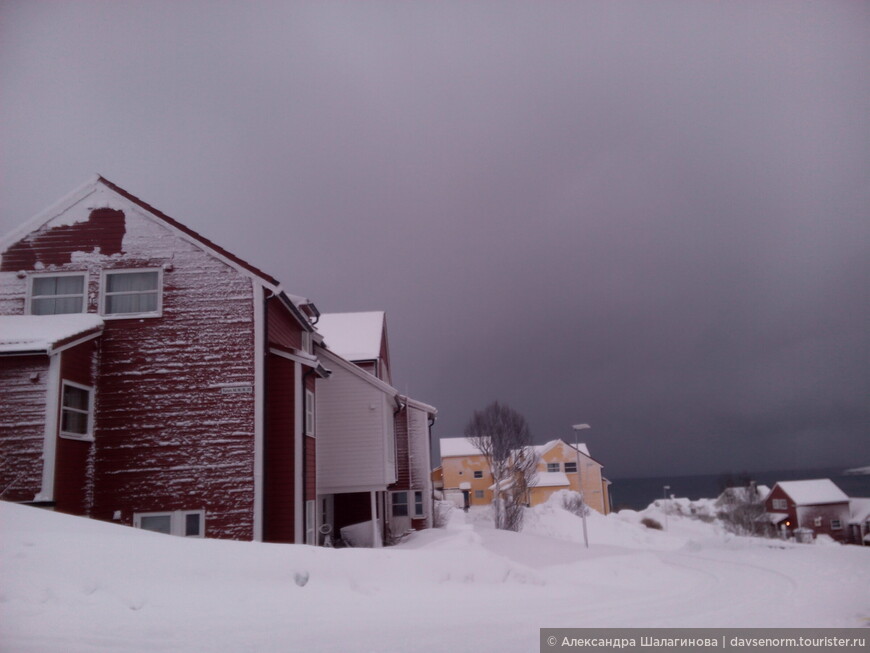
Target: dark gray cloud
(651,217)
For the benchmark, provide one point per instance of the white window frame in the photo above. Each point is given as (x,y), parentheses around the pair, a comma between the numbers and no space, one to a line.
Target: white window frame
(310,414)
(88,435)
(177,521)
(30,296)
(422,504)
(478,473)
(394,503)
(558,467)
(780,504)
(817,522)
(836,525)
(104,284)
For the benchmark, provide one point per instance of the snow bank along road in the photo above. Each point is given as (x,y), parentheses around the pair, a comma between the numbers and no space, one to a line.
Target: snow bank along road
(70,584)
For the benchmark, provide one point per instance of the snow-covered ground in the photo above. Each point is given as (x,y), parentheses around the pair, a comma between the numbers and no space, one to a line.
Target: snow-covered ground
(75,585)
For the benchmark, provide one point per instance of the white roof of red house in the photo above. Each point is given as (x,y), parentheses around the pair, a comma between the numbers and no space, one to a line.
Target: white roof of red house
(859,509)
(43,333)
(353,336)
(813,492)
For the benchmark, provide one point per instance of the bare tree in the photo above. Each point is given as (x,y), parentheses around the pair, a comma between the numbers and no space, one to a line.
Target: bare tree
(502,435)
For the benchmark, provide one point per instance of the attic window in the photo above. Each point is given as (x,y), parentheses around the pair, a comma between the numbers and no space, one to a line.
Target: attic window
(57,294)
(132,292)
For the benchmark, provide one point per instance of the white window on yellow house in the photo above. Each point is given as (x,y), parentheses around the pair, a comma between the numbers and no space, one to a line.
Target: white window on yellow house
(478,494)
(552,467)
(478,474)
(570,468)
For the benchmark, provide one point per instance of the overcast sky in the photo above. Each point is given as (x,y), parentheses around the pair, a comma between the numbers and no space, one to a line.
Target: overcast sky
(650,217)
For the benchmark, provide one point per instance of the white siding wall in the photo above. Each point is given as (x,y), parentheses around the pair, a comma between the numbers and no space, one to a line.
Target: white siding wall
(350,433)
(418,443)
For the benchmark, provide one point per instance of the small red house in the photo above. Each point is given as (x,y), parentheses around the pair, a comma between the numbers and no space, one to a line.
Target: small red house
(150,377)
(818,505)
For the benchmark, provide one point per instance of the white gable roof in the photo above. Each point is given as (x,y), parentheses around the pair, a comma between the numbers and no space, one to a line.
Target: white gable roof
(353,336)
(457,447)
(541,449)
(816,491)
(25,333)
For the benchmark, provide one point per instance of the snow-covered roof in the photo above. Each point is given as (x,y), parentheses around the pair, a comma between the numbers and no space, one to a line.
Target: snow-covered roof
(541,449)
(550,479)
(773,517)
(859,510)
(42,333)
(458,447)
(354,336)
(813,492)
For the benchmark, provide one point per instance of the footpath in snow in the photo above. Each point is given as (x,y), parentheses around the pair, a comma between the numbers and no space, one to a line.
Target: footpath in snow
(76,585)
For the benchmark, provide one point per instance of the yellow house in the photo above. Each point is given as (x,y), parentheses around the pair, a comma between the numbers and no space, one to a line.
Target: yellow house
(467,481)
(464,473)
(557,470)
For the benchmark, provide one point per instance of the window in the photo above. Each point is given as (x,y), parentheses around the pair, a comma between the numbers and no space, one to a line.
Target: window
(132,292)
(552,467)
(309,413)
(570,468)
(836,524)
(780,504)
(817,522)
(57,294)
(478,494)
(400,504)
(76,413)
(419,505)
(185,523)
(478,474)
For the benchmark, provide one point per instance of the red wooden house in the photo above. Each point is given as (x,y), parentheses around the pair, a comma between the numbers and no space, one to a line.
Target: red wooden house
(817,505)
(171,385)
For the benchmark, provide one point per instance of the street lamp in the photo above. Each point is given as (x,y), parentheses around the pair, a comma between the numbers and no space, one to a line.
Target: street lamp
(664,507)
(577,428)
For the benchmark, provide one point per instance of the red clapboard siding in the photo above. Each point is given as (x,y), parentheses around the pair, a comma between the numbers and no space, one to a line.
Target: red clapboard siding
(283,328)
(74,458)
(22,425)
(103,231)
(279,481)
(167,436)
(403,476)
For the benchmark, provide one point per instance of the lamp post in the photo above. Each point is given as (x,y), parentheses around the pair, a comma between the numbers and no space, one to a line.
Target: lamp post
(577,428)
(664,507)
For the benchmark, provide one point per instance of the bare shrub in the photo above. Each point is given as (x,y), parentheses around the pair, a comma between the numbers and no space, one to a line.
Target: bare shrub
(441,513)
(573,503)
